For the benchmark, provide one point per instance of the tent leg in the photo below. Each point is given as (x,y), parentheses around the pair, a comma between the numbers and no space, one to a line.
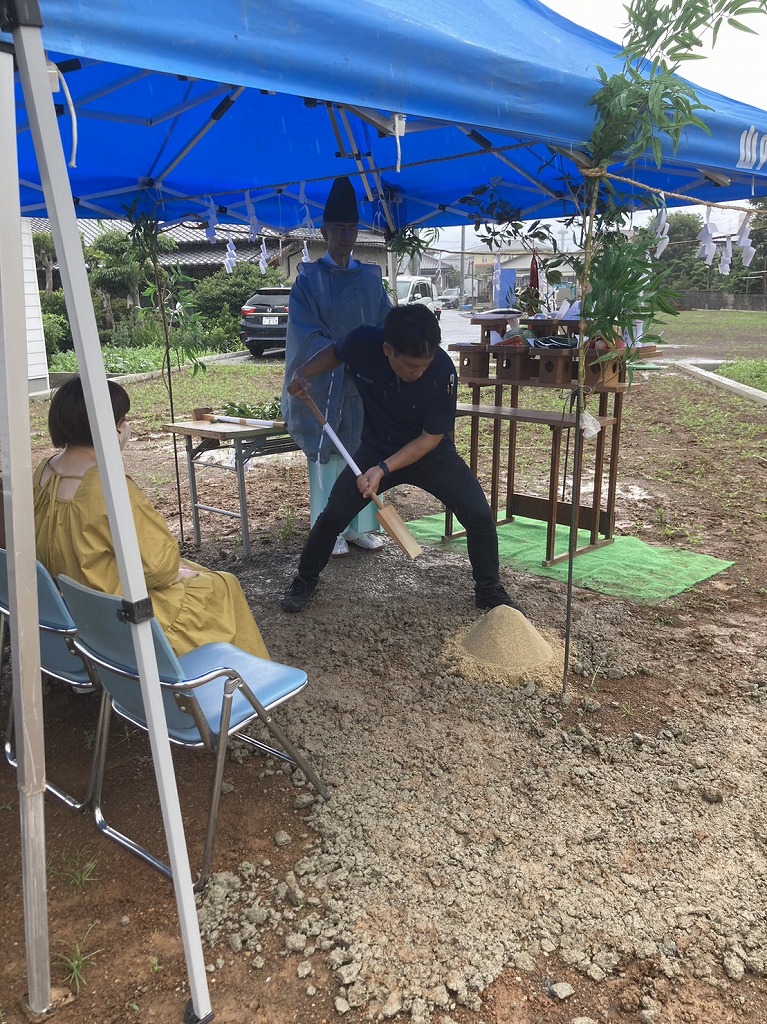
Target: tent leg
(19,518)
(60,207)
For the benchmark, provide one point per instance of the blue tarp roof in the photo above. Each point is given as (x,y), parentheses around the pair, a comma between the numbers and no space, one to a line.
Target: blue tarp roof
(262,102)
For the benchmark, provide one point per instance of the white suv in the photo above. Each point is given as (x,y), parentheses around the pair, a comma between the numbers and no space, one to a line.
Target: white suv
(417,289)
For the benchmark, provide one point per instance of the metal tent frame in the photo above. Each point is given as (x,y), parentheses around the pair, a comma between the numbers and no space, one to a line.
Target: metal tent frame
(24,22)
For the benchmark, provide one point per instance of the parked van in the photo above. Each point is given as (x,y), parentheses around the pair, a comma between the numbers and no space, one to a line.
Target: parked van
(417,289)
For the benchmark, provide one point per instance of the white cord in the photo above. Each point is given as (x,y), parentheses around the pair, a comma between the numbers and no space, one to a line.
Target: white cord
(73,116)
(399,131)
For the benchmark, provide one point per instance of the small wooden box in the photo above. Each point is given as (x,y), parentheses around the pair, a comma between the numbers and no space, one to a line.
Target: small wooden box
(556,367)
(473,361)
(602,374)
(512,362)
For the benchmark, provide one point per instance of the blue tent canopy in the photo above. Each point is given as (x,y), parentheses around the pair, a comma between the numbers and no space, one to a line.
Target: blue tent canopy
(247,109)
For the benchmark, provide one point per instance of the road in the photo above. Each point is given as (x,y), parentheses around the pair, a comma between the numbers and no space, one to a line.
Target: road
(456,327)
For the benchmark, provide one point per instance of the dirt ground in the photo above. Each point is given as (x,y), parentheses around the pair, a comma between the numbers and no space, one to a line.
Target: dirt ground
(644,682)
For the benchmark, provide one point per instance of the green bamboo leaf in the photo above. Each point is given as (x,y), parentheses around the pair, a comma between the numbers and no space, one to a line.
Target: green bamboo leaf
(741,27)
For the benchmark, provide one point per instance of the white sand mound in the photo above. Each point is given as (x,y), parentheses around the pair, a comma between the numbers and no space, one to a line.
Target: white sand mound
(505,648)
(505,637)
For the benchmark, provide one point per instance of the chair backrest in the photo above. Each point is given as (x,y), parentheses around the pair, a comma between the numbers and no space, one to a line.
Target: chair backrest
(56,625)
(108,638)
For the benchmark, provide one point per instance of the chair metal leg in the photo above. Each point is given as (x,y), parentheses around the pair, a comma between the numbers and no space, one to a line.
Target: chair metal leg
(218,778)
(289,752)
(119,837)
(51,787)
(101,823)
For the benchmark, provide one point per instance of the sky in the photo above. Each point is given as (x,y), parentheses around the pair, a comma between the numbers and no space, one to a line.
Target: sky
(736,67)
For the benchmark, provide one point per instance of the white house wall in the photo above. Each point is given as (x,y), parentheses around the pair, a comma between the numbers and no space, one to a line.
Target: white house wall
(37,362)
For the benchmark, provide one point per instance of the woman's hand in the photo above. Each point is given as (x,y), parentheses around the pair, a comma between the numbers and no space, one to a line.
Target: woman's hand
(185,573)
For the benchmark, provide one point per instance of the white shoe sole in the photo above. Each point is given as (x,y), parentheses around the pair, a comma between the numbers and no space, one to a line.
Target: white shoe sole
(367,542)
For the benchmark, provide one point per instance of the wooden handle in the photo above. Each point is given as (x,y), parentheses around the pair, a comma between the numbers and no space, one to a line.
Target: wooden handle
(341,449)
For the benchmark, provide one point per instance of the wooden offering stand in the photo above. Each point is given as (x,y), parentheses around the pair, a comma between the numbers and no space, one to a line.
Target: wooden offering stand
(518,366)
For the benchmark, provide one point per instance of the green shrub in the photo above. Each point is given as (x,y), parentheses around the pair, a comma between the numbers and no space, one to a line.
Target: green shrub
(55,331)
(141,333)
(126,360)
(224,335)
(55,305)
(222,293)
(116,360)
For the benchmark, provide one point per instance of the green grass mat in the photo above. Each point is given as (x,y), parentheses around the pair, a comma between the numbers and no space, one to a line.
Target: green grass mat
(628,568)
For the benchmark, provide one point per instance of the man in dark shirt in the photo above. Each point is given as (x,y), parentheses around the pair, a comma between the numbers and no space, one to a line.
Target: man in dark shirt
(408,388)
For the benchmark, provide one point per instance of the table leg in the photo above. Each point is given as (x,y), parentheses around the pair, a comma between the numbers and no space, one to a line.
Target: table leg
(239,464)
(575,493)
(474,442)
(511,462)
(191,470)
(551,527)
(599,468)
(495,471)
(612,478)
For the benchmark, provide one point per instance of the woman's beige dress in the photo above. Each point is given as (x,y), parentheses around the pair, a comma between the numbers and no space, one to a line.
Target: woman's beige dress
(73,537)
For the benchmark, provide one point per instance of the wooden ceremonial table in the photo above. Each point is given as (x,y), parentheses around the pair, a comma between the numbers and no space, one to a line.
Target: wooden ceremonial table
(597,519)
(246,443)
(520,367)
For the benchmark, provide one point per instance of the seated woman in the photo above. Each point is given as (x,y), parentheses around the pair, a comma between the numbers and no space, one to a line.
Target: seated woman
(193,605)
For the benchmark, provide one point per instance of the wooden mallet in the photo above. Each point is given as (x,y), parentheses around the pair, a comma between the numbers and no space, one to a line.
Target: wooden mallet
(386,515)
(211,417)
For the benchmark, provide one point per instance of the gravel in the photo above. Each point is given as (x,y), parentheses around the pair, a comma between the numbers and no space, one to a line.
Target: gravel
(470,830)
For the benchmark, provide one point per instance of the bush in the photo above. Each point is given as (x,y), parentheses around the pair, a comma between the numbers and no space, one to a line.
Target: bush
(127,360)
(116,360)
(55,331)
(137,333)
(55,305)
(222,294)
(223,335)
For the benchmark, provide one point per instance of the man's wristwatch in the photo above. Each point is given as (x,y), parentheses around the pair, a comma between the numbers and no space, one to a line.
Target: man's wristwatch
(384,469)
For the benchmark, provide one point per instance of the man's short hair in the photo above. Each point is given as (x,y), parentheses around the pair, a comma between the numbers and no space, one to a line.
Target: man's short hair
(412,330)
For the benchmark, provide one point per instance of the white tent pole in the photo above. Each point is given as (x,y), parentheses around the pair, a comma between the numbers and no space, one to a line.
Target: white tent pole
(20,541)
(50,157)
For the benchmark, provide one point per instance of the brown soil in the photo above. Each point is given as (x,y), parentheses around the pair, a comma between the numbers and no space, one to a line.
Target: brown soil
(682,485)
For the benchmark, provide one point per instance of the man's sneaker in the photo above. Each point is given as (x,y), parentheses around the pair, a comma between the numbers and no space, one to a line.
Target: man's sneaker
(487,599)
(298,596)
(367,541)
(340,548)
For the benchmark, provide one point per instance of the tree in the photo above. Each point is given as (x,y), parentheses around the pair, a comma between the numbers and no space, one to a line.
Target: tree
(118,269)
(759,242)
(686,271)
(45,256)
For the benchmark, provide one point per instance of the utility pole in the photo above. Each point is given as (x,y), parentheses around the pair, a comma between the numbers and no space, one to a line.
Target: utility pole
(463,265)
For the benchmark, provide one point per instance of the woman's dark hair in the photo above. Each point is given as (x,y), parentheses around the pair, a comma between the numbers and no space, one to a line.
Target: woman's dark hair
(68,416)
(412,330)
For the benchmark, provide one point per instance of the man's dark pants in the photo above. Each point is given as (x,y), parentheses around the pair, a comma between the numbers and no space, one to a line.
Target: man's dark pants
(442,473)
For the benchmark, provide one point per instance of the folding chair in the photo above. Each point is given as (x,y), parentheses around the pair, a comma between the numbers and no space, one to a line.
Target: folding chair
(209,694)
(58,659)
